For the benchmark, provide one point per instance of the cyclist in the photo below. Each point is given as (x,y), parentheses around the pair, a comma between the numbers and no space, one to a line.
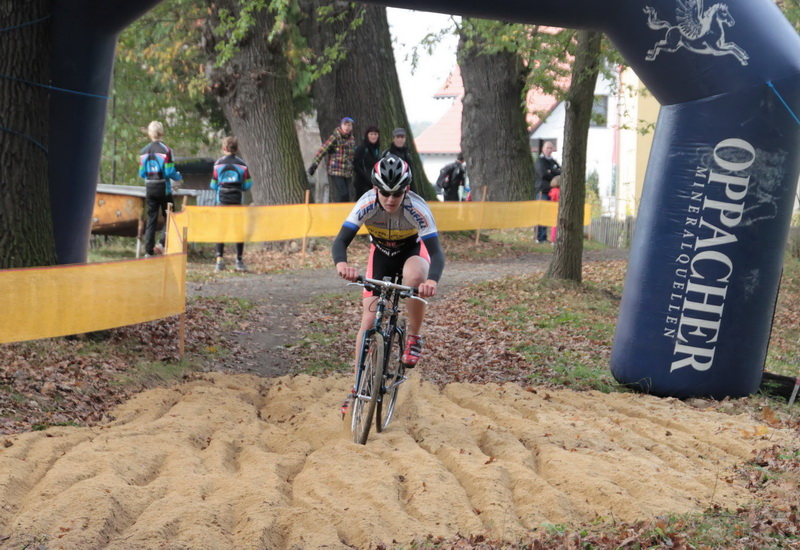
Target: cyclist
(404,242)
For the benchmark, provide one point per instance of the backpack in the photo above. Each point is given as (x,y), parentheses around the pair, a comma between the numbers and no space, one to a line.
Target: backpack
(229,176)
(443,181)
(153,167)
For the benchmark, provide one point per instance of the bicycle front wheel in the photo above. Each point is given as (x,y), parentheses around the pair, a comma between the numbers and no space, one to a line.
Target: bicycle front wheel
(393,376)
(368,391)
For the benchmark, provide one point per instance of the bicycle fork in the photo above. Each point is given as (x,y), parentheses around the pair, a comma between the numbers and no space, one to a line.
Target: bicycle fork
(359,372)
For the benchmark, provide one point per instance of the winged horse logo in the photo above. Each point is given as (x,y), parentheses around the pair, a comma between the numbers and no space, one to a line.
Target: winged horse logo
(697,30)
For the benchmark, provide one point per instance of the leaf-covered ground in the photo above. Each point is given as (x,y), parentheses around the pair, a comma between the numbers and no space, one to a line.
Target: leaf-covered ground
(77,381)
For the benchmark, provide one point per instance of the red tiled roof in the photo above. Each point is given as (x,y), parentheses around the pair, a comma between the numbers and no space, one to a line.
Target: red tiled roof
(453,86)
(444,135)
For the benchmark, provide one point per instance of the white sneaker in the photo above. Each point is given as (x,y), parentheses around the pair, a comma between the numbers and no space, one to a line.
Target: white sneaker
(220,265)
(240,265)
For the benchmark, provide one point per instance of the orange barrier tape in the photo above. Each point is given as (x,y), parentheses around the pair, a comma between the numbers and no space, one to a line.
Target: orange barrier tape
(73,299)
(233,224)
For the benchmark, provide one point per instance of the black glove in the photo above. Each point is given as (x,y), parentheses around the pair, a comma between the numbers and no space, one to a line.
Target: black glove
(312,169)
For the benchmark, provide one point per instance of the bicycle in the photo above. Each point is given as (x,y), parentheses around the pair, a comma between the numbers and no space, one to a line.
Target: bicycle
(380,371)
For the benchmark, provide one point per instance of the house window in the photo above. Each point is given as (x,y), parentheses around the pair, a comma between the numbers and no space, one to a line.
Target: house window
(600,111)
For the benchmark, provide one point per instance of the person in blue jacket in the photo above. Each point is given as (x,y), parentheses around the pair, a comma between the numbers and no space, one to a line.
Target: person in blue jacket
(230,179)
(157,169)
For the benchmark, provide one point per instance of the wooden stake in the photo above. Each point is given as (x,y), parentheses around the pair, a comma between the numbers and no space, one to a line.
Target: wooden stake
(139,232)
(305,236)
(483,199)
(166,227)
(182,327)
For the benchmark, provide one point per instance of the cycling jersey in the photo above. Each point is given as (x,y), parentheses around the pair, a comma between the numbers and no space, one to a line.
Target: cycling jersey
(393,234)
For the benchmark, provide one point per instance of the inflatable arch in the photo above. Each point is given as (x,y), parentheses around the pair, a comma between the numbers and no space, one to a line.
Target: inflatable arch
(707,255)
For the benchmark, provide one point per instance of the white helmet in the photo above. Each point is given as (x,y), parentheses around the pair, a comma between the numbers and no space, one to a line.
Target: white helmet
(391,174)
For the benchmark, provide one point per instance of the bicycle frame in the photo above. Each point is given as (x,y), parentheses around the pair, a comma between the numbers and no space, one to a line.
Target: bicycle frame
(386,308)
(374,378)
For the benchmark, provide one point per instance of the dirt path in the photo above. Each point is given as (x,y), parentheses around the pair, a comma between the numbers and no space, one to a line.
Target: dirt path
(278,298)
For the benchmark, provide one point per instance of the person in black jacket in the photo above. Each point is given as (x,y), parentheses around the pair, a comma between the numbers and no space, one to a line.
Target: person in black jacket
(455,175)
(546,169)
(399,148)
(364,159)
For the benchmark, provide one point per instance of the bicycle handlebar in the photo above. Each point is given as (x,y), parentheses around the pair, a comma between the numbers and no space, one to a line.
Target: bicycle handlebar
(405,291)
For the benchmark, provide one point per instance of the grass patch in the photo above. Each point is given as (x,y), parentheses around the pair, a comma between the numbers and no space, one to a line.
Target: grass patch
(148,374)
(112,248)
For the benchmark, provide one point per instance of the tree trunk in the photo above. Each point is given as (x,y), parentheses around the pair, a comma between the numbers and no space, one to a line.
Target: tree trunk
(26,227)
(255,93)
(494,135)
(364,85)
(567,257)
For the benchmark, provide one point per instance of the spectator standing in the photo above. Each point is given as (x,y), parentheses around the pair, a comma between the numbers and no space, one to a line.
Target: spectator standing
(555,195)
(339,147)
(546,169)
(230,179)
(366,155)
(399,148)
(452,177)
(157,168)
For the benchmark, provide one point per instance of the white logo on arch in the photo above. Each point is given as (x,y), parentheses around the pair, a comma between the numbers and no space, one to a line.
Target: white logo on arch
(697,30)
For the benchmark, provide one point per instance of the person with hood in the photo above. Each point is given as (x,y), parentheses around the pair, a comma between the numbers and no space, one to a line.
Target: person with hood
(339,147)
(364,159)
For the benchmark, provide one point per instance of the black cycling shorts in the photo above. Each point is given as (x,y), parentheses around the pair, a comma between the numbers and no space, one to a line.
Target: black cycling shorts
(380,265)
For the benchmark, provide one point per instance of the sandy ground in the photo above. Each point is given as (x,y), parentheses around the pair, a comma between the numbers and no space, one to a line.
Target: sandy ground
(245,462)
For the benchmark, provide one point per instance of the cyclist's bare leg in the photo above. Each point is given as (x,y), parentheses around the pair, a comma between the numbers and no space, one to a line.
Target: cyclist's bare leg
(415,272)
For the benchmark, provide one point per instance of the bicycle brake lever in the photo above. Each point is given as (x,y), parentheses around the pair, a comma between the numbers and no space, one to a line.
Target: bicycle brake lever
(415,297)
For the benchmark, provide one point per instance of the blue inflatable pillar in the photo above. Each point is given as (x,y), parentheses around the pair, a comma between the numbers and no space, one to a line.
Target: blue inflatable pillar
(84,38)
(708,248)
(718,194)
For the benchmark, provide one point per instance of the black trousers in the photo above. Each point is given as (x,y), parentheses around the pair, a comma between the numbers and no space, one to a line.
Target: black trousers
(239,250)
(541,230)
(156,203)
(340,189)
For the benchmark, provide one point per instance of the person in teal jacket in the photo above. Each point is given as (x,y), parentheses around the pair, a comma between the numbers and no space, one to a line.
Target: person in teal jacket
(230,179)
(157,169)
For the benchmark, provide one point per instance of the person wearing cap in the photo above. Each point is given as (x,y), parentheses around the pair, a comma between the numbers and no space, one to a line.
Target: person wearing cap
(339,147)
(399,148)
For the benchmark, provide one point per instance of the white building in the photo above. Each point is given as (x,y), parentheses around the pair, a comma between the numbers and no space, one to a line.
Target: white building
(617,151)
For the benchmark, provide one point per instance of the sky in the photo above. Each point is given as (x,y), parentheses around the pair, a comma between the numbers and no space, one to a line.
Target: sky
(408,28)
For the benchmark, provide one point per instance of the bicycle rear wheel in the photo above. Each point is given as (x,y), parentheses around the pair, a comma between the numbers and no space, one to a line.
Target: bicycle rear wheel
(368,392)
(393,376)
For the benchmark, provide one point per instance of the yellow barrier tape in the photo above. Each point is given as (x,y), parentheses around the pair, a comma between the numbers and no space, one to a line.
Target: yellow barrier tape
(73,299)
(233,224)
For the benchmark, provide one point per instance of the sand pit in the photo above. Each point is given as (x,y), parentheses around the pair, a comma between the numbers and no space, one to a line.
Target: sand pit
(228,462)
